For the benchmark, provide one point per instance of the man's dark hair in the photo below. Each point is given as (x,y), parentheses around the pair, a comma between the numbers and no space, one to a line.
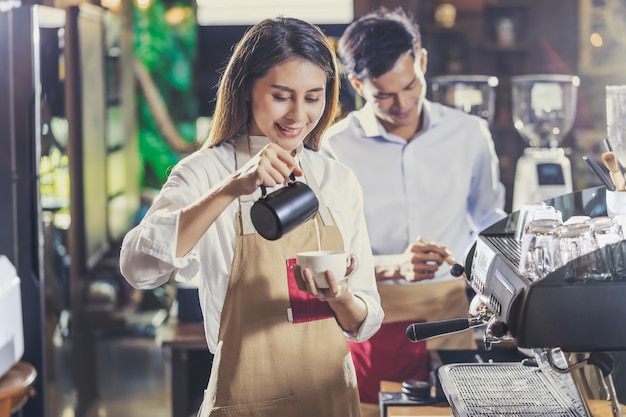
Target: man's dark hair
(371,45)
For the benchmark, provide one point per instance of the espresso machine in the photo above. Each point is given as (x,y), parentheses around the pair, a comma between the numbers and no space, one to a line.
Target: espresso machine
(566,326)
(544,109)
(474,94)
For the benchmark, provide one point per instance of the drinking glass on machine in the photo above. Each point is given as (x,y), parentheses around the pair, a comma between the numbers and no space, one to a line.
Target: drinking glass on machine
(535,211)
(576,248)
(607,233)
(605,230)
(617,256)
(538,256)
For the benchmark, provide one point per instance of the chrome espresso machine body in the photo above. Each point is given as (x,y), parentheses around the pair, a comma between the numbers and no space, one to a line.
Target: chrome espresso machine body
(556,311)
(567,324)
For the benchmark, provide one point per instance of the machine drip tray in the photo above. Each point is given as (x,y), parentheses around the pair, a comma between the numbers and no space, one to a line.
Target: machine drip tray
(496,354)
(508,389)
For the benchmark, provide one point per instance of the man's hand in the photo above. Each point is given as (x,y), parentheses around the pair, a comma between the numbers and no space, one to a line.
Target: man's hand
(426,258)
(419,261)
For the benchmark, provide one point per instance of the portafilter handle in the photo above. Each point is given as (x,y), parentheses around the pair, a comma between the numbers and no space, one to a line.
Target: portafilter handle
(479,315)
(422,331)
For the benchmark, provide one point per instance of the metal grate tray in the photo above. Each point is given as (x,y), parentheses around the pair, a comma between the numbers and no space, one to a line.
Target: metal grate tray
(503,389)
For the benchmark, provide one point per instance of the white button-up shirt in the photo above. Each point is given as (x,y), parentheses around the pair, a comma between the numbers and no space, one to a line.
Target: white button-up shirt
(442,185)
(148,259)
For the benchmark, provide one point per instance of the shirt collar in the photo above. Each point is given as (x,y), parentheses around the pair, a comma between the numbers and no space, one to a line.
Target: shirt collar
(369,122)
(259,142)
(372,127)
(429,118)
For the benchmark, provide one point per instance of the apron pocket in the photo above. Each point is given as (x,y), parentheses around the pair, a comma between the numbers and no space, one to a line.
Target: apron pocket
(282,407)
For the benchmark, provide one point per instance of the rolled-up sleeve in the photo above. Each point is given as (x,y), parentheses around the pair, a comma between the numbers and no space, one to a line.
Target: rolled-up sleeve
(147,257)
(372,321)
(148,253)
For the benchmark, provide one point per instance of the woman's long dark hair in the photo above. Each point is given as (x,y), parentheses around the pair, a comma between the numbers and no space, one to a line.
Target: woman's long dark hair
(265,45)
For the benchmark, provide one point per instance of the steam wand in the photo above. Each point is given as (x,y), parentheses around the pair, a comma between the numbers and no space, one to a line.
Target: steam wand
(602,363)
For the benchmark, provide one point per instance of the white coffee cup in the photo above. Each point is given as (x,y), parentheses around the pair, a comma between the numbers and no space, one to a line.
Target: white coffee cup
(318,262)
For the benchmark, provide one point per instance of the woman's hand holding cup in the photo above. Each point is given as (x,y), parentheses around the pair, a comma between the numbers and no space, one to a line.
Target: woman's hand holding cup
(324,273)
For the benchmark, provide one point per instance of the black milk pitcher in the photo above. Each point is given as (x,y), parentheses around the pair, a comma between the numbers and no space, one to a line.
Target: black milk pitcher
(277,213)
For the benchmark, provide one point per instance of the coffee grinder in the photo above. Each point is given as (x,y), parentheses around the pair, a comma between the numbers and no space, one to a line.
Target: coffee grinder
(474,94)
(544,108)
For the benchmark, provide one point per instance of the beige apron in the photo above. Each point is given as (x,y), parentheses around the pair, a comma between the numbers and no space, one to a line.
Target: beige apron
(266,365)
(430,301)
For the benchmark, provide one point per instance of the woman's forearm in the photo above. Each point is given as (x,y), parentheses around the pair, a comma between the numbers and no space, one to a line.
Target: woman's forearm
(350,311)
(196,218)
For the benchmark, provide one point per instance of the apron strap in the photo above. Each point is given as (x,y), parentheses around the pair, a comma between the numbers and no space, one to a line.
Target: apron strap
(242,156)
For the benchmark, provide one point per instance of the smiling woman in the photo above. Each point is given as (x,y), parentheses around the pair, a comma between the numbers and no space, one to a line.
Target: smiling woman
(300,106)
(276,96)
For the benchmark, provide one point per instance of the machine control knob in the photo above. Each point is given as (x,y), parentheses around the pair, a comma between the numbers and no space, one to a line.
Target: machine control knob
(457,270)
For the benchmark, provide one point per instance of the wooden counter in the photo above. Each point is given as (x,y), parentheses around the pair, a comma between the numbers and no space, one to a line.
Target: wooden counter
(184,335)
(185,340)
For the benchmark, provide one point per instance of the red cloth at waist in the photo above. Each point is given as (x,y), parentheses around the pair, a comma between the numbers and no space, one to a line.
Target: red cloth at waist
(389,356)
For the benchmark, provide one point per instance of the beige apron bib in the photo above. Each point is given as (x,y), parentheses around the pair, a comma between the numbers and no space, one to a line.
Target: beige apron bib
(265,365)
(431,301)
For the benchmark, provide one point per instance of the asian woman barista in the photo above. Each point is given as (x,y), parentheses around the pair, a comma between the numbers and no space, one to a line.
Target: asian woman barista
(278,351)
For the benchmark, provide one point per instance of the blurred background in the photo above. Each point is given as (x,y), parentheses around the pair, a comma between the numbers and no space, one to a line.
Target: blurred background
(98,100)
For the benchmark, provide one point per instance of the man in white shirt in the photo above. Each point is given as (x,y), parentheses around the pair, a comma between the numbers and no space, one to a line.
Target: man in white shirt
(427,171)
